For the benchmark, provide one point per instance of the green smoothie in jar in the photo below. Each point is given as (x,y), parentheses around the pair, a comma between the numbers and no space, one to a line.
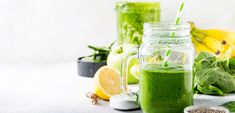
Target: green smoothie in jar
(165,89)
(130,19)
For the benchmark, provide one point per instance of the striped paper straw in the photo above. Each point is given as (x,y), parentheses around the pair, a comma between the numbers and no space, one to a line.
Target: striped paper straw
(177,21)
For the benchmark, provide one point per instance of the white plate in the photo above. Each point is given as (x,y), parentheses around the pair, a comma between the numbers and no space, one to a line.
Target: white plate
(200,99)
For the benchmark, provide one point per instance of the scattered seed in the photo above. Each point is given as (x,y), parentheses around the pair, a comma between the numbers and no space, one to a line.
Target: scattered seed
(205,111)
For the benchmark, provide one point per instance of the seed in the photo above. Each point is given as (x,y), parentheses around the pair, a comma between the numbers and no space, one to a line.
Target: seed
(205,111)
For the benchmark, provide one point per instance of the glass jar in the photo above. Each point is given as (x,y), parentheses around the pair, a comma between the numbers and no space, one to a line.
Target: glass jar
(131,15)
(164,88)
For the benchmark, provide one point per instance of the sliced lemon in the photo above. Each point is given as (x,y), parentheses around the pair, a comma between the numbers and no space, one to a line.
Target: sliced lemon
(107,82)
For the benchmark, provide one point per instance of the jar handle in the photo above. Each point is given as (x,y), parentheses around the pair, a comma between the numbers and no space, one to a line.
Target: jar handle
(127,56)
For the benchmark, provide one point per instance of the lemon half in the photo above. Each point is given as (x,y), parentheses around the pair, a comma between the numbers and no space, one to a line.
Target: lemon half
(107,82)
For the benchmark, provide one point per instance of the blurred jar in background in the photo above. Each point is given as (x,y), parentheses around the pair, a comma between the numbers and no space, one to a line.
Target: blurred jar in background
(131,15)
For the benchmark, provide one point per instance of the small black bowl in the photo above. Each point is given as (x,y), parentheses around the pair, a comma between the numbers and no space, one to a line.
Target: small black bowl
(88,69)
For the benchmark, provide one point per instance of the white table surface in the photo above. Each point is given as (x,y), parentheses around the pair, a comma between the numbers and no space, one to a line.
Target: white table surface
(46,88)
(56,88)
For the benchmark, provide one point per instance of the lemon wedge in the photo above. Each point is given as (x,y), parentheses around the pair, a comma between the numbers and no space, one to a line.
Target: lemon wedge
(107,82)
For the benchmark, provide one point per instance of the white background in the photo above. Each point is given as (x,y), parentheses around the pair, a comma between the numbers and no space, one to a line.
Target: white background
(59,30)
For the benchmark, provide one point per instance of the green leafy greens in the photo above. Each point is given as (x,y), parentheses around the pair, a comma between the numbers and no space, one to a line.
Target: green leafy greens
(100,53)
(212,75)
(230,106)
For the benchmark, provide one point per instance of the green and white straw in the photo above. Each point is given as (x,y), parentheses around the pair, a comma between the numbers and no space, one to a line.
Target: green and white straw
(177,21)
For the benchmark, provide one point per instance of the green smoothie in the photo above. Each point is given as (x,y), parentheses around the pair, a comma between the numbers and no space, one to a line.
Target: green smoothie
(165,90)
(130,19)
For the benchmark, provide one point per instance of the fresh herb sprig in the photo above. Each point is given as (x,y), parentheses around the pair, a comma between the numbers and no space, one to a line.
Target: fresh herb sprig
(100,54)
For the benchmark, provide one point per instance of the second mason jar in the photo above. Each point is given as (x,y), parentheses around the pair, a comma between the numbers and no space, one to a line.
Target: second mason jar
(166,88)
(131,15)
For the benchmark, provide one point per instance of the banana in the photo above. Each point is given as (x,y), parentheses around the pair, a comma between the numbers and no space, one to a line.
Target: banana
(200,47)
(217,41)
(213,44)
(227,36)
(218,34)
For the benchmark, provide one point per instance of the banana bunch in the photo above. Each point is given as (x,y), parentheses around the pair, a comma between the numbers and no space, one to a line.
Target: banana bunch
(219,42)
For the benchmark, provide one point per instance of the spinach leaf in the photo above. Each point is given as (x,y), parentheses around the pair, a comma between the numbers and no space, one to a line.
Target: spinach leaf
(232,63)
(208,76)
(213,75)
(220,79)
(210,90)
(230,67)
(225,82)
(203,61)
(199,77)
(203,55)
(230,106)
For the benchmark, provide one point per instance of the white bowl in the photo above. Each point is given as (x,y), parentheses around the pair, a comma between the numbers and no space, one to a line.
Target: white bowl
(205,107)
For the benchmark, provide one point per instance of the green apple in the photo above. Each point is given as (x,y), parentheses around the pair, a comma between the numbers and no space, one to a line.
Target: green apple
(131,78)
(135,71)
(115,59)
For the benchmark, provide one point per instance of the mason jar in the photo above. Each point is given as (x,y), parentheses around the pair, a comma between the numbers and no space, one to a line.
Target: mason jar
(131,15)
(166,59)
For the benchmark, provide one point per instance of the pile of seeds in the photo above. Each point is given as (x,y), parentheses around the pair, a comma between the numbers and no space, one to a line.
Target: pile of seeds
(205,111)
